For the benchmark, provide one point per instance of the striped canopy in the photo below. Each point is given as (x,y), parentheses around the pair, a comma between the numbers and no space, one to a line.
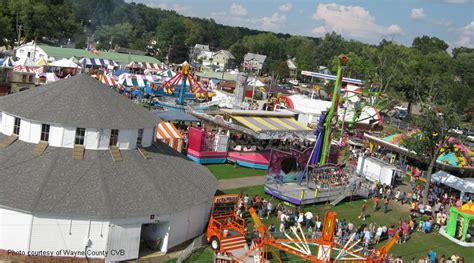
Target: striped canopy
(167,133)
(20,68)
(130,82)
(144,65)
(263,124)
(98,62)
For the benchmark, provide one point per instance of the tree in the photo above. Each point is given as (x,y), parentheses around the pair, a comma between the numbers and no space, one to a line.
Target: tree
(112,35)
(280,69)
(238,50)
(433,138)
(426,44)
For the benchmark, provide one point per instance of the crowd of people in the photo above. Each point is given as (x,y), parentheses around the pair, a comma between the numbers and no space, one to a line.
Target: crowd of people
(421,218)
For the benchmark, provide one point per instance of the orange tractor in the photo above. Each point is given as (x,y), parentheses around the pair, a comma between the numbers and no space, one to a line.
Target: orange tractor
(226,236)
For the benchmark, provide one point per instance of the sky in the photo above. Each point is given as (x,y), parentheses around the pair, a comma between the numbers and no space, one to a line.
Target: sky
(368,21)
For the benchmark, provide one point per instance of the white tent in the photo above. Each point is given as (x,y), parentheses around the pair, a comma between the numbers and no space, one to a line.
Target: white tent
(462,185)
(64,63)
(26,62)
(8,63)
(257,83)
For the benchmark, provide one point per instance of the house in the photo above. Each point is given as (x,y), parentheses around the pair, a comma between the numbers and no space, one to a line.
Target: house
(253,62)
(22,80)
(196,51)
(223,58)
(205,58)
(5,84)
(292,67)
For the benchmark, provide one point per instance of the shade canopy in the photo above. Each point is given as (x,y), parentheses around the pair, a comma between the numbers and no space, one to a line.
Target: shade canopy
(64,63)
(175,115)
(452,181)
(98,62)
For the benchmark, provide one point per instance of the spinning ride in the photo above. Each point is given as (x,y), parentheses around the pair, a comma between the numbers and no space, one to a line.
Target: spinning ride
(184,77)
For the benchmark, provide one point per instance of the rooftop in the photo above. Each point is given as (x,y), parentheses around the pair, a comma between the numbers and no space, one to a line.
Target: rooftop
(54,183)
(79,101)
(58,52)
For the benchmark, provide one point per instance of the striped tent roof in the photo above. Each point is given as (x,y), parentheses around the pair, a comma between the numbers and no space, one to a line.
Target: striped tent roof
(144,65)
(20,68)
(167,130)
(263,124)
(98,62)
(131,82)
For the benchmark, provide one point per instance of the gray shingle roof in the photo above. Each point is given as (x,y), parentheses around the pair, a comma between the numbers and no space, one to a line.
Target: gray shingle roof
(79,101)
(257,57)
(99,187)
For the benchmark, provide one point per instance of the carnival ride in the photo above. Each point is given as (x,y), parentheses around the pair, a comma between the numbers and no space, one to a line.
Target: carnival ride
(319,249)
(177,86)
(308,187)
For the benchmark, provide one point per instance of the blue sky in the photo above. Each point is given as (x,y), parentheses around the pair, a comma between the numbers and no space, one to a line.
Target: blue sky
(364,20)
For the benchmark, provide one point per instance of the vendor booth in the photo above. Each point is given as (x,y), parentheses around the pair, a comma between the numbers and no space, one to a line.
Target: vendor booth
(460,228)
(167,133)
(242,137)
(463,185)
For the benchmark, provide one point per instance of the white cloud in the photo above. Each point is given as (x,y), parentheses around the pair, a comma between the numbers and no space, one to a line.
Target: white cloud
(286,7)
(181,9)
(273,22)
(466,35)
(443,22)
(238,10)
(458,1)
(353,21)
(418,13)
(319,31)
(394,30)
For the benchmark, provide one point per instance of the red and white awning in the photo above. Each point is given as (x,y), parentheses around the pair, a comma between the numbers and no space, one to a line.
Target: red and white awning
(20,68)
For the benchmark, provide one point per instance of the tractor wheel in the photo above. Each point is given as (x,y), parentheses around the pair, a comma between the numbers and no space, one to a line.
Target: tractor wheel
(215,244)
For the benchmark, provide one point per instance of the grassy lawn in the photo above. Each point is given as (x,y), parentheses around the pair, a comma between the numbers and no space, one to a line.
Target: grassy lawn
(228,171)
(418,245)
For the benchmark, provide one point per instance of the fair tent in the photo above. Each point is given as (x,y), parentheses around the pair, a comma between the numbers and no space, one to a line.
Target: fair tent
(256,83)
(74,59)
(42,62)
(64,63)
(460,184)
(25,62)
(8,63)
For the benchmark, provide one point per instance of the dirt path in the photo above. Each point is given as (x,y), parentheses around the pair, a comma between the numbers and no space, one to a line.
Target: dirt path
(241,182)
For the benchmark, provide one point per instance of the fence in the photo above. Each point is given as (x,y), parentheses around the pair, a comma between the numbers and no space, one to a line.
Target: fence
(197,243)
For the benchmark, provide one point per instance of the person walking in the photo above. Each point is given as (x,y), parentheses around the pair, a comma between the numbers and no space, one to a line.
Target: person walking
(363,210)
(385,205)
(376,203)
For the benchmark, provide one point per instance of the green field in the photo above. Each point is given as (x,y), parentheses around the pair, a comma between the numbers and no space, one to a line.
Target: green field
(228,171)
(418,245)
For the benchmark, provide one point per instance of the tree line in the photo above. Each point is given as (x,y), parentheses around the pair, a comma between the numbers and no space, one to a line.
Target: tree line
(424,70)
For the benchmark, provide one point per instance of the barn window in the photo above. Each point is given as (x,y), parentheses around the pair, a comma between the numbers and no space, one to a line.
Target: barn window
(16,126)
(80,135)
(139,137)
(44,132)
(113,137)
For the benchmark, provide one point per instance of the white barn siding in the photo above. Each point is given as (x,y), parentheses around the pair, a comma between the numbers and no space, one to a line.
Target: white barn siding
(133,139)
(127,237)
(104,139)
(147,136)
(35,132)
(7,123)
(53,234)
(124,138)
(68,137)
(15,230)
(92,139)
(56,136)
(24,130)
